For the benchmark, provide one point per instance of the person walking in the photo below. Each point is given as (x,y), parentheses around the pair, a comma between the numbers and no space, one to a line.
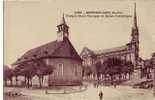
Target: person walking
(100,95)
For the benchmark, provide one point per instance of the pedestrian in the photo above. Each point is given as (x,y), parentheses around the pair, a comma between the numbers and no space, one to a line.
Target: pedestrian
(100,95)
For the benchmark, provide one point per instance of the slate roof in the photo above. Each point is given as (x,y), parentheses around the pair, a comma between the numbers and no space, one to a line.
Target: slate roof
(109,50)
(54,49)
(104,51)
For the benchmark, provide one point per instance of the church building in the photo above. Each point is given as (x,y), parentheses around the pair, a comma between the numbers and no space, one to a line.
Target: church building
(62,55)
(128,52)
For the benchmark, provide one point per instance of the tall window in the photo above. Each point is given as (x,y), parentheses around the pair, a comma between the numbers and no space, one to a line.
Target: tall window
(60,69)
(76,70)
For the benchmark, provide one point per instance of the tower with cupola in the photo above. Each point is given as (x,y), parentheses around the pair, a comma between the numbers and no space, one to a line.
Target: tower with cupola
(62,30)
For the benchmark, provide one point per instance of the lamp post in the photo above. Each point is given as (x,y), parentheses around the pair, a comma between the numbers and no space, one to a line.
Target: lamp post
(153,62)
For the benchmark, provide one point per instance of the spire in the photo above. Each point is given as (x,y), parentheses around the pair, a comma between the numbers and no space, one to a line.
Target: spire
(135,37)
(63,30)
(63,19)
(135,17)
(135,26)
(135,32)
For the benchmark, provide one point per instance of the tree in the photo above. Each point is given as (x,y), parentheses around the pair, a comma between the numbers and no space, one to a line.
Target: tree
(17,73)
(42,69)
(8,74)
(27,70)
(130,68)
(30,69)
(113,67)
(98,69)
(87,71)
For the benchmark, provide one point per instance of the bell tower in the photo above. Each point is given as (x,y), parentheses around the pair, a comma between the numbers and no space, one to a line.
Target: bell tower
(62,32)
(135,36)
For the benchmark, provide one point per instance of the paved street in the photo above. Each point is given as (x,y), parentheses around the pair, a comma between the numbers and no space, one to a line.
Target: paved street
(109,93)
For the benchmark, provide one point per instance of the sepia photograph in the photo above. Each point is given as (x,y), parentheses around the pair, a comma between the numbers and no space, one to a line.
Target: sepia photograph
(79,50)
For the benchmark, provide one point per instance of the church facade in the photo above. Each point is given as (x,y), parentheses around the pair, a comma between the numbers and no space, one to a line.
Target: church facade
(128,52)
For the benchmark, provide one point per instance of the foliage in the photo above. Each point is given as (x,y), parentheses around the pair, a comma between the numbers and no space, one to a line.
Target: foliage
(8,73)
(113,67)
(87,71)
(32,68)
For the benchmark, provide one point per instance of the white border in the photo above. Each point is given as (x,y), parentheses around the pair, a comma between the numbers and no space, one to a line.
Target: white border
(1,49)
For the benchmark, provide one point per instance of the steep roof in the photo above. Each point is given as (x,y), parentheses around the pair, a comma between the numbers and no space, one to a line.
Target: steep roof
(54,49)
(86,51)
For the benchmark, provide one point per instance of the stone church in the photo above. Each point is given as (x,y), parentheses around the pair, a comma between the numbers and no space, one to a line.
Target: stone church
(129,51)
(62,55)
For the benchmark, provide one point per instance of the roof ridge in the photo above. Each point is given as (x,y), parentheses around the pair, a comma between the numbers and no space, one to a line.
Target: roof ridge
(110,48)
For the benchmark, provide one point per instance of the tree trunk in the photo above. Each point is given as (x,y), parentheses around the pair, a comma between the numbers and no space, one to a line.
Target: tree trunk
(98,76)
(111,79)
(28,84)
(16,80)
(125,76)
(119,77)
(31,82)
(5,82)
(40,82)
(11,82)
(48,81)
(25,81)
(129,76)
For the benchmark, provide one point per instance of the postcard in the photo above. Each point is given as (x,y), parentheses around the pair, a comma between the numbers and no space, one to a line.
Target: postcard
(79,50)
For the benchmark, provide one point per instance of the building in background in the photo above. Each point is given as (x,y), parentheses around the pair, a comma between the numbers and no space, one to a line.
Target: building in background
(128,52)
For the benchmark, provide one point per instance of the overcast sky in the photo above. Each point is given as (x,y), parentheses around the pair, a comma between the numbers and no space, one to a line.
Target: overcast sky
(31,23)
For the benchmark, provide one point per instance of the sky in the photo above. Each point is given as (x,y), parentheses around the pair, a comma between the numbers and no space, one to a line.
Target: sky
(31,23)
